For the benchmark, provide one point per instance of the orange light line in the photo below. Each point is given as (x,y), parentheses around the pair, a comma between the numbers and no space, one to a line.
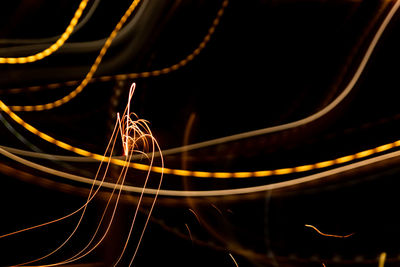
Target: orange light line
(89,77)
(54,47)
(328,235)
(91,72)
(382,259)
(200,174)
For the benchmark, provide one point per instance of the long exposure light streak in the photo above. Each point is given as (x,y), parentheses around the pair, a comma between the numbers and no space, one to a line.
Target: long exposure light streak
(91,72)
(210,193)
(144,74)
(267,130)
(382,259)
(54,47)
(327,235)
(138,131)
(311,118)
(263,173)
(201,174)
(30,42)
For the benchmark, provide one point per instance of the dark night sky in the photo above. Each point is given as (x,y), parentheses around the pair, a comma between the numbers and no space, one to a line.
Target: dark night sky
(268,63)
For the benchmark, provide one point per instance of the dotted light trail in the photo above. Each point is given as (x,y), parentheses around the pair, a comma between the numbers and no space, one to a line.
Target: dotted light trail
(54,47)
(200,174)
(103,51)
(145,74)
(91,72)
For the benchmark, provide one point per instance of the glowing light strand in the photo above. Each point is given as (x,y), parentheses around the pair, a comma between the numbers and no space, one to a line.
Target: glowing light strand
(211,193)
(327,235)
(141,131)
(382,259)
(145,74)
(91,72)
(54,47)
(292,124)
(200,174)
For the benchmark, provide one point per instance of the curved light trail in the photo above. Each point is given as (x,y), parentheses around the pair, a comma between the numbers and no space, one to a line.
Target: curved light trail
(54,47)
(91,72)
(207,193)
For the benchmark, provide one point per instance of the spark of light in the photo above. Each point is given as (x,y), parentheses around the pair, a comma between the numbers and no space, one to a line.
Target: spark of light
(328,235)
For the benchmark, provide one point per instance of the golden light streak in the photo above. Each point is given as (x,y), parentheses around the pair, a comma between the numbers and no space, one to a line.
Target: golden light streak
(328,235)
(365,153)
(200,174)
(140,131)
(345,159)
(89,76)
(210,193)
(204,174)
(382,259)
(54,47)
(384,147)
(91,72)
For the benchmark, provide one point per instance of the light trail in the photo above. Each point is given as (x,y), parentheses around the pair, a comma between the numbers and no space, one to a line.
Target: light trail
(54,47)
(201,174)
(267,130)
(308,119)
(233,259)
(30,42)
(190,233)
(382,259)
(103,51)
(328,235)
(91,72)
(83,208)
(209,193)
(144,74)
(138,131)
(263,173)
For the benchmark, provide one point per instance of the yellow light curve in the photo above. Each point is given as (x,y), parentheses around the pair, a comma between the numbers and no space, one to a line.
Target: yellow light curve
(54,47)
(199,174)
(89,77)
(91,72)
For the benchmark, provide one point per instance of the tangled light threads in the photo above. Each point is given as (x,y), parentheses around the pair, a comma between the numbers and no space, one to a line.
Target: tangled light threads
(132,132)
